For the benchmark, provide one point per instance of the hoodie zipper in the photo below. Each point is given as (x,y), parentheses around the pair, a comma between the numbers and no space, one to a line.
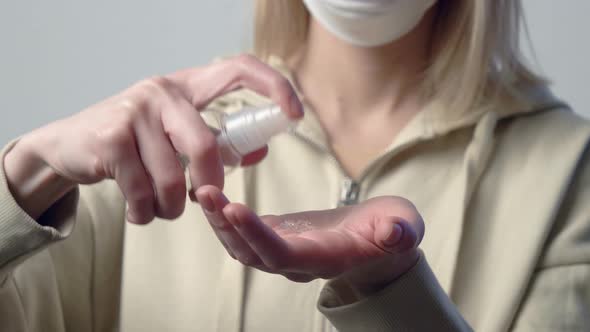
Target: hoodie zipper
(350,189)
(349,195)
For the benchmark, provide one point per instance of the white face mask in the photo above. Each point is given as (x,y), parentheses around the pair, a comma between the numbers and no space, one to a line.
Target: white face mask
(368,23)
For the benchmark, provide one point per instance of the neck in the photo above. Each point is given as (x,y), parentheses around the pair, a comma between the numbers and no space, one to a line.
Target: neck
(338,77)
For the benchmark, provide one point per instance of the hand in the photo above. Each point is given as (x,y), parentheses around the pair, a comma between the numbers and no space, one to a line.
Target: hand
(369,244)
(134,138)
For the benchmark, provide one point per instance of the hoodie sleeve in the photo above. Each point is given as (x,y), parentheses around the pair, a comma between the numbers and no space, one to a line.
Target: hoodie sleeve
(414,302)
(60,277)
(558,297)
(20,235)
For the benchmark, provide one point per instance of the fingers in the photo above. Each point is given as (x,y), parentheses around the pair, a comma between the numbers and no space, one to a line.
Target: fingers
(402,231)
(267,245)
(213,203)
(324,252)
(395,235)
(164,124)
(412,220)
(302,259)
(202,85)
(185,128)
(191,136)
(245,236)
(133,180)
(167,176)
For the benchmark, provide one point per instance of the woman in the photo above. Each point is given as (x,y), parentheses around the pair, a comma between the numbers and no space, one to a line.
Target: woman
(427,100)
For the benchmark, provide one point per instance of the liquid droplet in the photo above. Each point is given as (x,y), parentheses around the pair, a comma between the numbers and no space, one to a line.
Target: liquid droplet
(298,226)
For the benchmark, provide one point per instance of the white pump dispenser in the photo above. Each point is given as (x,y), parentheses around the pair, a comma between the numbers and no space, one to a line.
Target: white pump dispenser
(248,130)
(242,132)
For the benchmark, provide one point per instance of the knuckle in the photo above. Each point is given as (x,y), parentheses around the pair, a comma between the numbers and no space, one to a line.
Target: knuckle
(156,84)
(171,192)
(205,144)
(142,203)
(134,111)
(119,140)
(110,147)
(245,60)
(172,186)
(141,194)
(97,165)
(133,106)
(282,85)
(150,89)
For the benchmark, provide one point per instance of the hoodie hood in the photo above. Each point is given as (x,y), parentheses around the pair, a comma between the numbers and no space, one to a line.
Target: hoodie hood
(429,124)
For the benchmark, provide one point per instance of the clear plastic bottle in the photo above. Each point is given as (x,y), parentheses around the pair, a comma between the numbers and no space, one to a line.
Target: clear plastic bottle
(242,132)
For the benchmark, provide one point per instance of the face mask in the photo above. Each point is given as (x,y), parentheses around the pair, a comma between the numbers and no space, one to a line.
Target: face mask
(368,23)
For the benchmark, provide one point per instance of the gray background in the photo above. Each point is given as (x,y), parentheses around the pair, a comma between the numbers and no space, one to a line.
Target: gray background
(56,57)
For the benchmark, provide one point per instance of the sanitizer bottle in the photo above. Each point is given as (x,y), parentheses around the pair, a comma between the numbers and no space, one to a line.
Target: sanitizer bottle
(242,132)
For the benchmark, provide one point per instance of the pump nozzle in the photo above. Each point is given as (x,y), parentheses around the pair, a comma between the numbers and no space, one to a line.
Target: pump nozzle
(248,130)
(244,131)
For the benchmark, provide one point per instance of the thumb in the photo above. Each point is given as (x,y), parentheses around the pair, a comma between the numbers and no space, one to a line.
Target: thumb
(395,235)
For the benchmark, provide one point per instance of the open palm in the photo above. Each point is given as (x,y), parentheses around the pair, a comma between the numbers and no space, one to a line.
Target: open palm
(314,244)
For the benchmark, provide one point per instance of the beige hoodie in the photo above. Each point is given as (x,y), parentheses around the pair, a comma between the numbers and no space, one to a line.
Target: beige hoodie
(505,192)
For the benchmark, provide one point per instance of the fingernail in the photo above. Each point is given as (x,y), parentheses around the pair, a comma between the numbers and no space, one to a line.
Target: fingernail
(207,204)
(394,236)
(296,104)
(131,217)
(192,196)
(231,218)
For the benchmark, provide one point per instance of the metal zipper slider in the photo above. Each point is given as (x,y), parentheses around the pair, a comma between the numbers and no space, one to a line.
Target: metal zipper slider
(350,193)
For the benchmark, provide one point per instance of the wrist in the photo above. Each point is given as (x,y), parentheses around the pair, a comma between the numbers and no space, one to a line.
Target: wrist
(34,185)
(373,278)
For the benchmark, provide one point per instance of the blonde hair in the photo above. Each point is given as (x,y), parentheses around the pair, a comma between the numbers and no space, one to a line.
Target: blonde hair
(475,58)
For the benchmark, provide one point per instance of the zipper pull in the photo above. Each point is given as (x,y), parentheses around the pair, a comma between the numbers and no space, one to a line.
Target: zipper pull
(350,193)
